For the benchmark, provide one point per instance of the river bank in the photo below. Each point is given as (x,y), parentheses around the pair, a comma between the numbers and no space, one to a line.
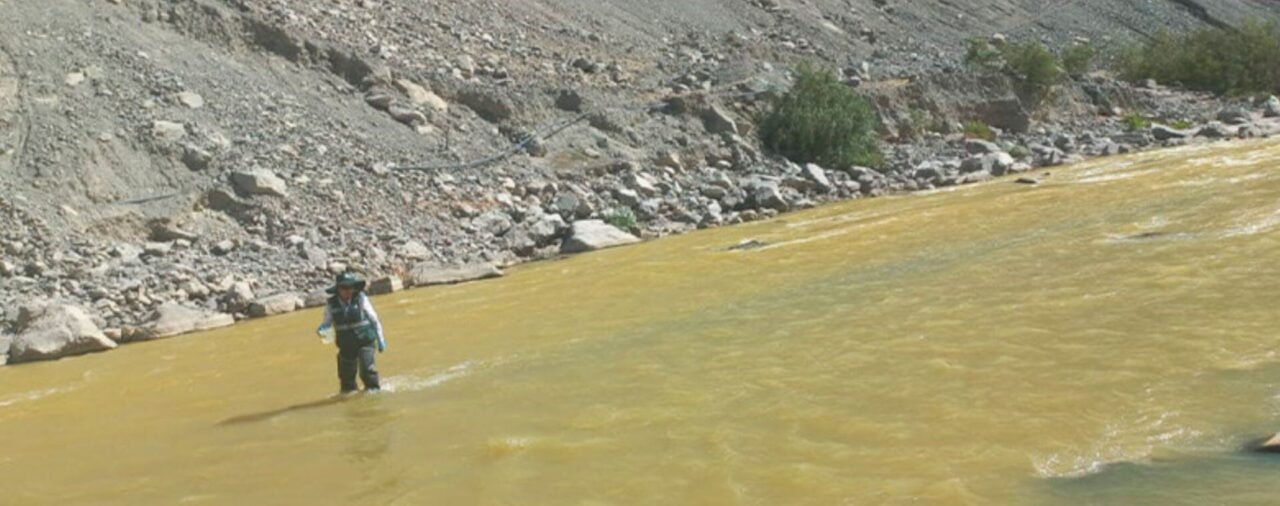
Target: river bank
(55,329)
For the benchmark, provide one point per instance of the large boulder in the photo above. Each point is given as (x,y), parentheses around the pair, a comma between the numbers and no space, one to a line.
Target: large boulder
(980,147)
(173,319)
(718,121)
(1235,116)
(429,273)
(54,331)
(275,304)
(413,250)
(591,235)
(1271,108)
(489,105)
(814,173)
(421,96)
(1165,132)
(259,182)
(316,298)
(385,284)
(996,164)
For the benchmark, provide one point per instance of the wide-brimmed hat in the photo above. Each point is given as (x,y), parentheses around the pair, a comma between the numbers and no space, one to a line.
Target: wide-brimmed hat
(347,279)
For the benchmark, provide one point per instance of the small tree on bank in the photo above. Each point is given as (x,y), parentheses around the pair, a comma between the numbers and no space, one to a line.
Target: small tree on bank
(820,120)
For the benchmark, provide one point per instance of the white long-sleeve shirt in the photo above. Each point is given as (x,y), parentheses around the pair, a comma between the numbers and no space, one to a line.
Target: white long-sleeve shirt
(368,313)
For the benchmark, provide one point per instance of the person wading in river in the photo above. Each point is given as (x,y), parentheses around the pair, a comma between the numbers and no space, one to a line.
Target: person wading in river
(358,330)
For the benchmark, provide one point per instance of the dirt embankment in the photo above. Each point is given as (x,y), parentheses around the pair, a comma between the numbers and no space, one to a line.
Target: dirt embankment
(186,159)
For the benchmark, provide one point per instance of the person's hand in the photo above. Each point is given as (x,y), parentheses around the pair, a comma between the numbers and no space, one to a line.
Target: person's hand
(382,345)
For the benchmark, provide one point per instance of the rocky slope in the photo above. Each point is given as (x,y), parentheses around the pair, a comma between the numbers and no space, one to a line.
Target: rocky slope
(164,164)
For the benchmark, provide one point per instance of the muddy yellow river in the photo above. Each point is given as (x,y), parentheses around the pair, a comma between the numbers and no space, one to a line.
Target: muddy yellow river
(1107,337)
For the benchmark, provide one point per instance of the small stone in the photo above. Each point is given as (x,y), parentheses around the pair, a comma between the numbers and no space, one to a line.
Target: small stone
(157,249)
(195,158)
(421,96)
(223,247)
(259,182)
(168,131)
(191,99)
(74,79)
(406,115)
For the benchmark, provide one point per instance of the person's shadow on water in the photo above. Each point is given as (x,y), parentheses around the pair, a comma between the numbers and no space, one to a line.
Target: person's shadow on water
(267,415)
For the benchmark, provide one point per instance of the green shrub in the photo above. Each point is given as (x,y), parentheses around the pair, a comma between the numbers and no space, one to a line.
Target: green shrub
(1135,123)
(1020,152)
(621,217)
(1233,62)
(1077,60)
(1034,68)
(1180,124)
(1030,65)
(820,120)
(978,130)
(982,54)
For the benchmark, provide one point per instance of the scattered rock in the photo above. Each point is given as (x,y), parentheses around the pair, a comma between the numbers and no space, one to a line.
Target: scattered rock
(259,182)
(815,173)
(191,99)
(406,115)
(223,247)
(413,250)
(490,106)
(591,235)
(173,319)
(569,100)
(165,231)
(769,196)
(385,285)
(1235,116)
(168,131)
(54,331)
(429,274)
(980,147)
(421,96)
(1165,132)
(1271,108)
(718,121)
(196,159)
(275,304)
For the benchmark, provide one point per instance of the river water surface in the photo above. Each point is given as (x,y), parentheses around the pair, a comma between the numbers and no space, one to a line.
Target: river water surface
(1107,337)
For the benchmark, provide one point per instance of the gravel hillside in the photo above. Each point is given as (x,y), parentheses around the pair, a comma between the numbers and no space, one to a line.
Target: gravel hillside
(209,154)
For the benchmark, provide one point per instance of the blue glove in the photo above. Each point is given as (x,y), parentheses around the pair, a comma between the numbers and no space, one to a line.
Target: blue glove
(382,345)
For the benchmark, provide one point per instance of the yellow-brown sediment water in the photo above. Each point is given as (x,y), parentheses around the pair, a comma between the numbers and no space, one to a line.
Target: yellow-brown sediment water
(1106,337)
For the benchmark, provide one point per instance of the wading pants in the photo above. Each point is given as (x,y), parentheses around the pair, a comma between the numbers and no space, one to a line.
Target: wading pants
(359,359)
